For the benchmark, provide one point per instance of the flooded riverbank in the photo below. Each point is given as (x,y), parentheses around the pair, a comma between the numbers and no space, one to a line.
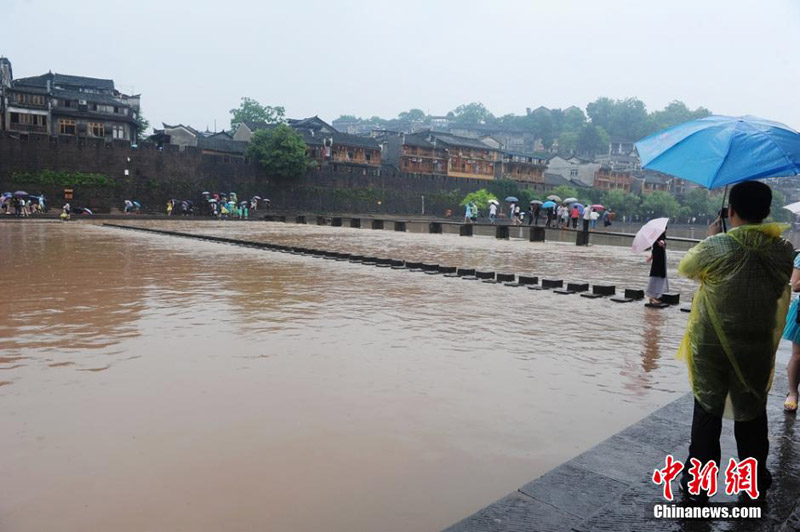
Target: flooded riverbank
(161,383)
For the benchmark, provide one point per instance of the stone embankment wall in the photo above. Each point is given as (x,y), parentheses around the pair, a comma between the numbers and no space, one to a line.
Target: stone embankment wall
(152,176)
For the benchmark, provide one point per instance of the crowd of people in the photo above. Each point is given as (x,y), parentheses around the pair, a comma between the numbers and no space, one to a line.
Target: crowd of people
(22,204)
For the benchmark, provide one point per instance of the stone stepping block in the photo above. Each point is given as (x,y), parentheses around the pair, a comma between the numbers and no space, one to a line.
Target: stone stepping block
(343,256)
(370,261)
(634,294)
(591,296)
(430,268)
(686,308)
(400,226)
(355,222)
(413,265)
(300,219)
(670,299)
(656,305)
(563,292)
(552,283)
(578,287)
(484,275)
(604,289)
(620,299)
(377,224)
(357,258)
(506,277)
(448,270)
(383,263)
(466,272)
(527,280)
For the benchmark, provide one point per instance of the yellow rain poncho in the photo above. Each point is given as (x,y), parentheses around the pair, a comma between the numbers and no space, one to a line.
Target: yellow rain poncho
(737,317)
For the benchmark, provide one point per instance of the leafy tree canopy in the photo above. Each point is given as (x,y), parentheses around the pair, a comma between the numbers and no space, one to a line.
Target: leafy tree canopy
(659,204)
(480,197)
(280,152)
(413,115)
(473,113)
(251,110)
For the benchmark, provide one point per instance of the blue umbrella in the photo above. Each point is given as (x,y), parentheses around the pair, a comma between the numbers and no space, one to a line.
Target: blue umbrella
(512,199)
(548,205)
(137,203)
(721,150)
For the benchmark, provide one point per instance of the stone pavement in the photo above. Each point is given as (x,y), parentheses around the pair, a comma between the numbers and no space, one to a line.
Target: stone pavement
(608,488)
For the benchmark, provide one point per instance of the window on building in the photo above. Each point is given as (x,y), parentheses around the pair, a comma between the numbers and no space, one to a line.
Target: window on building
(118,132)
(573,172)
(66,127)
(369,157)
(15,118)
(349,155)
(97,129)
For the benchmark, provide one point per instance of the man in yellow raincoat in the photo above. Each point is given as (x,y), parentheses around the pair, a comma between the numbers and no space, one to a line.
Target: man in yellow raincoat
(734,328)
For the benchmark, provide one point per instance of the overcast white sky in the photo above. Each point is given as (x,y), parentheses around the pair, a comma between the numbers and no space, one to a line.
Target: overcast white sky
(193,60)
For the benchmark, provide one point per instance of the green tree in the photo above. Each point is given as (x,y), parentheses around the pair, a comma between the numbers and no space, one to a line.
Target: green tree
(413,115)
(776,211)
(564,192)
(626,119)
(251,110)
(480,197)
(659,204)
(280,152)
(592,140)
(698,202)
(503,188)
(142,124)
(568,142)
(673,114)
(620,202)
(573,120)
(472,114)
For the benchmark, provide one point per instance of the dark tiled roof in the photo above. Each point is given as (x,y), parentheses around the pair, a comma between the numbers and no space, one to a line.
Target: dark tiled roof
(578,183)
(453,140)
(418,141)
(64,79)
(222,145)
(556,180)
(355,140)
(189,128)
(255,125)
(89,97)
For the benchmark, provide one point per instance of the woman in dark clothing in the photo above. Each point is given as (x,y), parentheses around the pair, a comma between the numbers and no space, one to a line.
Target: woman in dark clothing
(658,270)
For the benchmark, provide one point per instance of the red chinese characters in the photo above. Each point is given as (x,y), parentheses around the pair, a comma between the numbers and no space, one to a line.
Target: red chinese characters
(665,476)
(740,477)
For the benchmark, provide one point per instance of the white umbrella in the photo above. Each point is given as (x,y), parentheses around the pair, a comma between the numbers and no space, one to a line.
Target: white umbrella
(494,201)
(793,207)
(648,234)
(570,200)
(553,197)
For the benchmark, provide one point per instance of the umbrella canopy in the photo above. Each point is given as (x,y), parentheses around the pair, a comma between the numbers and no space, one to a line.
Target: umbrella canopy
(136,203)
(536,202)
(512,199)
(20,193)
(205,193)
(553,197)
(87,211)
(212,200)
(569,200)
(243,202)
(598,207)
(722,150)
(548,205)
(494,201)
(256,197)
(793,207)
(648,234)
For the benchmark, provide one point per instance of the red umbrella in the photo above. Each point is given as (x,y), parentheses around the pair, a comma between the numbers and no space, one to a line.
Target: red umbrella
(598,207)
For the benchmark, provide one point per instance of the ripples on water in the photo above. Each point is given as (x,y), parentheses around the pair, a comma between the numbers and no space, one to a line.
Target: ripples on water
(169,377)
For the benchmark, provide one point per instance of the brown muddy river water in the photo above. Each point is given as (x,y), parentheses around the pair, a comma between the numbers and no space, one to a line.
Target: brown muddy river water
(157,383)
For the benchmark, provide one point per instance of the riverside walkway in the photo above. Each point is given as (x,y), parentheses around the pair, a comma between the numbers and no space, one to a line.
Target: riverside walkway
(608,488)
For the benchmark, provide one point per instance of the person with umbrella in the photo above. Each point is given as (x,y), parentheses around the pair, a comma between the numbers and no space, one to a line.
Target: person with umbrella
(493,211)
(536,206)
(549,206)
(512,208)
(736,317)
(658,283)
